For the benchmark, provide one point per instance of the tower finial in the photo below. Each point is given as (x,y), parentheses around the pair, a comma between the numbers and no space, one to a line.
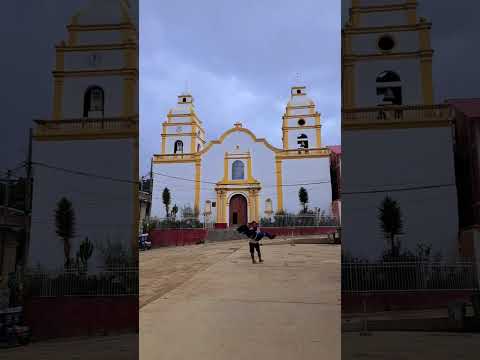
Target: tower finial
(297,78)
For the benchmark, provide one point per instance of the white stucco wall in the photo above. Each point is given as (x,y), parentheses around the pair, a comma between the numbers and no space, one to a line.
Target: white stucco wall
(103,208)
(182,192)
(107,59)
(384,159)
(303,171)
(383,18)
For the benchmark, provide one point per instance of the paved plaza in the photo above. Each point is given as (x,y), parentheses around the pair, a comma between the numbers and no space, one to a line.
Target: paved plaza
(211,302)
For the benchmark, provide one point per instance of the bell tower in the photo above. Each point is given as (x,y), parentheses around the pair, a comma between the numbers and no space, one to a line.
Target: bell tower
(386,55)
(301,122)
(183,132)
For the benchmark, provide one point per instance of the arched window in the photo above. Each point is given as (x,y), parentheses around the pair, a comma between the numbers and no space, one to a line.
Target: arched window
(238,170)
(302,141)
(178,147)
(199,147)
(389,88)
(93,101)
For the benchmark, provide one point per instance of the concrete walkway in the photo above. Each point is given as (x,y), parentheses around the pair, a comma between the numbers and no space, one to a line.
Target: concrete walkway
(286,308)
(410,346)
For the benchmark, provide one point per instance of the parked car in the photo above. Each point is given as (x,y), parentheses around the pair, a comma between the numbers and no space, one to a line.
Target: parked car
(144,242)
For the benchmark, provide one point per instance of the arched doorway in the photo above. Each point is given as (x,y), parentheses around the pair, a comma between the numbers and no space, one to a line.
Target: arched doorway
(238,210)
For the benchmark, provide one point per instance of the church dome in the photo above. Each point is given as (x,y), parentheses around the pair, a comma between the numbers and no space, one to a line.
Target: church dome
(104,12)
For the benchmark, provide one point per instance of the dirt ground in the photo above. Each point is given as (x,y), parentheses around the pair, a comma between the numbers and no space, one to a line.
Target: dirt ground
(164,269)
(224,307)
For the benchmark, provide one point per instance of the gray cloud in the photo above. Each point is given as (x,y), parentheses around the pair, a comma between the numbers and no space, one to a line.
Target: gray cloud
(240,60)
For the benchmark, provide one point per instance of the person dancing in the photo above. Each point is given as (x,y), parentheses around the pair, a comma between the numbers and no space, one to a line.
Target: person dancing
(254,233)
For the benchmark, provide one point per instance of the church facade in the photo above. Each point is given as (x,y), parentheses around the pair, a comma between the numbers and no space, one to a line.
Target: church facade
(240,177)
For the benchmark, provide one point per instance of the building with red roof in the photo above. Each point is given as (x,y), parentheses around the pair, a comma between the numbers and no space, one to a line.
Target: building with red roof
(467,169)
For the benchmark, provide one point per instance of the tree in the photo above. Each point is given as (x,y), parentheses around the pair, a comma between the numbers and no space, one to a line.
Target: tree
(391,222)
(166,200)
(65,224)
(303,198)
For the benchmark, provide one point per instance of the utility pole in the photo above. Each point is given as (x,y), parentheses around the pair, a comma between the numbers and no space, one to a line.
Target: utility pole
(6,195)
(28,198)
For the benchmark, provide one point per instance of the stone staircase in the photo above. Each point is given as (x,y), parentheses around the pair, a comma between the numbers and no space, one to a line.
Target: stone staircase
(215,235)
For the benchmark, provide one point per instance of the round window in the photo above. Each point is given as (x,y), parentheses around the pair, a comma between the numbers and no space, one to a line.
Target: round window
(301,122)
(386,43)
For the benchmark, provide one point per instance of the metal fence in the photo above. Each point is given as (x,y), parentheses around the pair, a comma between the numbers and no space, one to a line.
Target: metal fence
(290,220)
(177,223)
(122,281)
(408,276)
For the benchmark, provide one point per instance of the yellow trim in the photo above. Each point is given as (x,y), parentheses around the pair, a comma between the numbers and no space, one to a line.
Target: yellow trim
(172,124)
(198,177)
(221,207)
(386,29)
(95,47)
(193,138)
(396,125)
(85,136)
(93,73)
(257,206)
(164,143)
(278,174)
(391,55)
(175,158)
(249,169)
(426,67)
(285,133)
(412,117)
(251,210)
(225,168)
(382,8)
(318,132)
(236,129)
(128,96)
(57,99)
(101,27)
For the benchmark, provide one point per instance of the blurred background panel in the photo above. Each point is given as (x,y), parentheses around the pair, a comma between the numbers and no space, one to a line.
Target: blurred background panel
(410,191)
(69,169)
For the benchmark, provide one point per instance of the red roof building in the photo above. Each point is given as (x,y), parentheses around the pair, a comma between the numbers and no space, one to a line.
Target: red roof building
(336,177)
(467,160)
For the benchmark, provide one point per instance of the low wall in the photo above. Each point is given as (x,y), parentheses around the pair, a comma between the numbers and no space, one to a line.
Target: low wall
(69,316)
(353,303)
(181,237)
(176,237)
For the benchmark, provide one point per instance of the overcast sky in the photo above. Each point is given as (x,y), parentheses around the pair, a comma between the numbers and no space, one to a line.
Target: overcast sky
(239,59)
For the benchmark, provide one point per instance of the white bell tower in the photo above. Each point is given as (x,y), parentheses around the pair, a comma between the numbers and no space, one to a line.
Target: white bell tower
(183,131)
(301,122)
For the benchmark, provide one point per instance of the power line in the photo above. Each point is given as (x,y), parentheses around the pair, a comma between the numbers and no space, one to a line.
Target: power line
(264,186)
(397,189)
(76,172)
